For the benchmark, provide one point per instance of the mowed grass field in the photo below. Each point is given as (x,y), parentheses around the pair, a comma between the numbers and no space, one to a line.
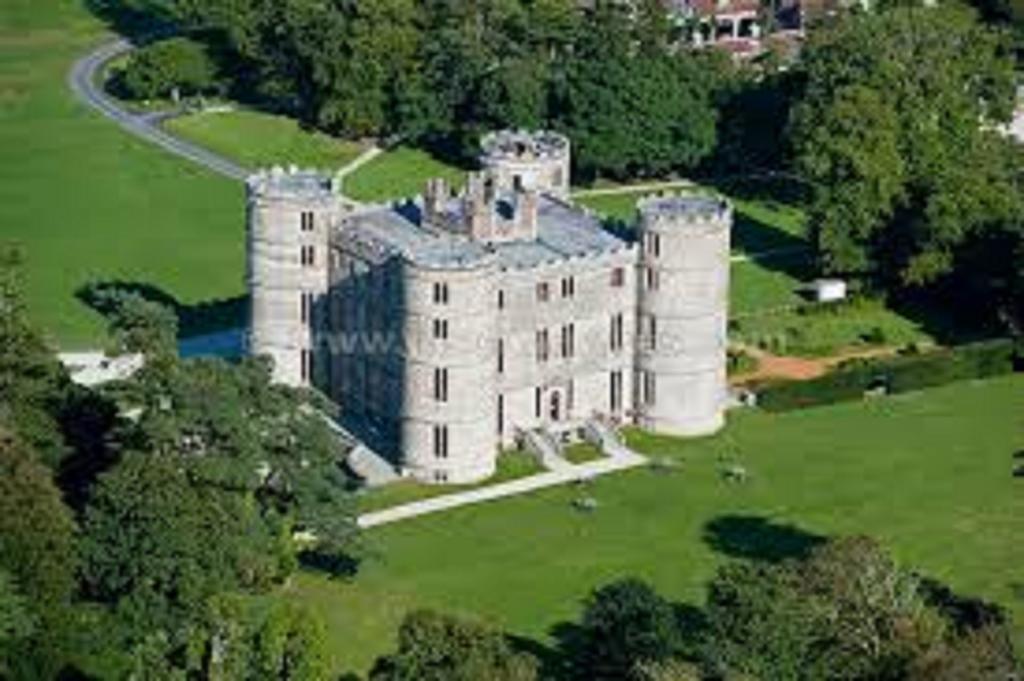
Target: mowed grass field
(399,173)
(929,474)
(89,203)
(254,139)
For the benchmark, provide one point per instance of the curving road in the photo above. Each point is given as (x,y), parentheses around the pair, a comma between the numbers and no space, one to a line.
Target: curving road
(83,79)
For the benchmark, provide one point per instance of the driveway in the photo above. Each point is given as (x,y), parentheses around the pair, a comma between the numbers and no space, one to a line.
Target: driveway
(84,78)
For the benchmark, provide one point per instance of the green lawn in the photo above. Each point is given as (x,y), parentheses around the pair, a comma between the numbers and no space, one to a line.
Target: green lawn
(88,202)
(397,174)
(927,473)
(254,140)
(862,324)
(581,452)
(511,465)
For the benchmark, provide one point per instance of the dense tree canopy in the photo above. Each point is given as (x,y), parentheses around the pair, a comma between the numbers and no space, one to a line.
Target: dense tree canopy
(440,72)
(37,564)
(33,385)
(435,647)
(625,628)
(846,611)
(894,132)
(176,65)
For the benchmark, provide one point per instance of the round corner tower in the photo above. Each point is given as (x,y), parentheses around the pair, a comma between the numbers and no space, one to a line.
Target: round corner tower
(448,433)
(289,216)
(528,160)
(683,308)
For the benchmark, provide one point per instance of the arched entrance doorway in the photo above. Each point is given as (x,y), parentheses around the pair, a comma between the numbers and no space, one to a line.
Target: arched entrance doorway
(556,406)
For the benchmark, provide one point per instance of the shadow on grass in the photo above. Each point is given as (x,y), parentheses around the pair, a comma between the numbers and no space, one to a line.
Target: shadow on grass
(750,235)
(135,20)
(343,566)
(760,539)
(193,320)
(967,613)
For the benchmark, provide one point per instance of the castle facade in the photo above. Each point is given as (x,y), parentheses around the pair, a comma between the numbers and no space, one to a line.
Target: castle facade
(447,325)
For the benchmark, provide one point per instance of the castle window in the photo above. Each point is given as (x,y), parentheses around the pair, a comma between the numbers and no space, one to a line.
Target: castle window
(441,329)
(618,277)
(653,244)
(568,287)
(616,332)
(306,362)
(441,385)
(568,340)
(306,307)
(615,391)
(537,401)
(501,414)
(440,293)
(652,279)
(307,256)
(501,299)
(306,221)
(543,347)
(517,183)
(649,388)
(570,395)
(543,292)
(501,355)
(652,332)
(441,476)
(441,444)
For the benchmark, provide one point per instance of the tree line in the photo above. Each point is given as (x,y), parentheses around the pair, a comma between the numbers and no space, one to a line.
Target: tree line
(438,73)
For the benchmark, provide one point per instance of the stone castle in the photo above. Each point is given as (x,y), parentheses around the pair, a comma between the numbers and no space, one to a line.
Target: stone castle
(448,325)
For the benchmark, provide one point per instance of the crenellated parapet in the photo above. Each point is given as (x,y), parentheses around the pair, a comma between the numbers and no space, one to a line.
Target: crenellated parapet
(528,160)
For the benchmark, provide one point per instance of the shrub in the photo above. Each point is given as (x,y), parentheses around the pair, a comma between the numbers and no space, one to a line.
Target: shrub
(896,374)
(178,63)
(740,362)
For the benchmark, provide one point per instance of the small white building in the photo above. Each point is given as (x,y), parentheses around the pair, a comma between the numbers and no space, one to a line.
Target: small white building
(829,290)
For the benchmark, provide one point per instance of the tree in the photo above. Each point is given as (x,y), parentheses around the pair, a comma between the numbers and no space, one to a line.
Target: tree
(887,133)
(633,111)
(33,385)
(157,546)
(625,626)
(176,64)
(434,647)
(17,622)
(759,624)
(37,558)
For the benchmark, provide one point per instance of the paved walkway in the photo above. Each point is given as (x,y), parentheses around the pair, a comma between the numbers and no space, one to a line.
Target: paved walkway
(634,188)
(358,162)
(621,459)
(84,78)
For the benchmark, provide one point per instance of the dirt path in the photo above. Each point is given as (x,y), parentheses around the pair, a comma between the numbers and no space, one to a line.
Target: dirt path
(800,368)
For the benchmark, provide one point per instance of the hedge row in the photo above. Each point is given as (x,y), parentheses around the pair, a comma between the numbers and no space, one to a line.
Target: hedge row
(852,380)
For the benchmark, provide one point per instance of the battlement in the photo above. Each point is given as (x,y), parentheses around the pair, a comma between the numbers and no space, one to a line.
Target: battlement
(524,145)
(292,183)
(683,209)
